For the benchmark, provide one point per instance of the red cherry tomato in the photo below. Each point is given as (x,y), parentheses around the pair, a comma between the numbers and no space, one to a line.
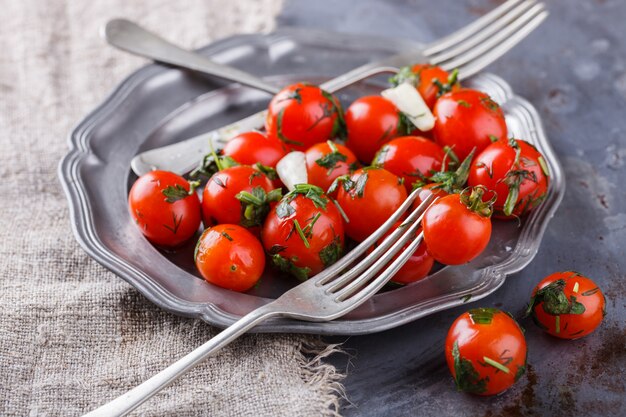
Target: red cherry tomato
(301,115)
(229,256)
(368,199)
(457,227)
(371,122)
(411,158)
(567,305)
(431,81)
(486,351)
(516,171)
(251,147)
(303,234)
(327,161)
(468,119)
(163,208)
(427,190)
(416,267)
(221,205)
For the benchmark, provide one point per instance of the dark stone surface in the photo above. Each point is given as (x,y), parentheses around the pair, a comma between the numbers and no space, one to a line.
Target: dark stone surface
(573,69)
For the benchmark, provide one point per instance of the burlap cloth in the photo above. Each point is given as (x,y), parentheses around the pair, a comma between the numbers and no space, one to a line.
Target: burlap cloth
(72,334)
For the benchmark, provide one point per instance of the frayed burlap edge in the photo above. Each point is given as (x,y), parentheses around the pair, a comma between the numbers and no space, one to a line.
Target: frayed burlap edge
(324,377)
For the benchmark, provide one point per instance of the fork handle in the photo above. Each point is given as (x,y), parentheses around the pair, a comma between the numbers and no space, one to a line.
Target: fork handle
(127,402)
(130,37)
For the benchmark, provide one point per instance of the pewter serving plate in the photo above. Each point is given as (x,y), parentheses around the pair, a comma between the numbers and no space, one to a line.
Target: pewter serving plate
(158,105)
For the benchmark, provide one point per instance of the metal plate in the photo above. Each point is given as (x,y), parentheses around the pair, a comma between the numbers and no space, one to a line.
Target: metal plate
(157,105)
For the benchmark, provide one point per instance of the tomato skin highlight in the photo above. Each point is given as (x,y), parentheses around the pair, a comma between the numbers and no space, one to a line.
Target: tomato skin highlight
(163,223)
(485,333)
(325,239)
(468,119)
(412,158)
(248,148)
(428,190)
(454,235)
(575,324)
(219,204)
(323,175)
(229,256)
(371,121)
(301,115)
(496,167)
(368,208)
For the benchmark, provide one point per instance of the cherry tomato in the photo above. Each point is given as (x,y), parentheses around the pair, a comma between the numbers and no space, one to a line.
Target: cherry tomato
(416,267)
(371,122)
(220,202)
(427,190)
(368,198)
(304,233)
(457,227)
(567,305)
(431,81)
(164,208)
(229,256)
(486,351)
(411,158)
(327,161)
(301,115)
(468,119)
(516,171)
(251,147)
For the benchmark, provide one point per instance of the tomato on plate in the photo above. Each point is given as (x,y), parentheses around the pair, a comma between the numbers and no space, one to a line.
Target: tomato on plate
(301,115)
(516,171)
(468,119)
(567,305)
(238,195)
(486,351)
(457,227)
(430,80)
(164,207)
(416,267)
(372,121)
(368,198)
(411,158)
(304,233)
(253,147)
(327,161)
(229,256)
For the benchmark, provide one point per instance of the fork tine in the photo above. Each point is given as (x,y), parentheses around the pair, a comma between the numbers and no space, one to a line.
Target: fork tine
(481,36)
(375,286)
(332,271)
(365,279)
(528,19)
(480,63)
(382,249)
(469,30)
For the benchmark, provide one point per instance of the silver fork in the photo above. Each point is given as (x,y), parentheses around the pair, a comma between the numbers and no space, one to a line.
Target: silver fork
(326,296)
(470,49)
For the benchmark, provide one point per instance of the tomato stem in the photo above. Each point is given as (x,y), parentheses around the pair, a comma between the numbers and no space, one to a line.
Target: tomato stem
(474,201)
(557,324)
(246,197)
(301,233)
(496,364)
(343,213)
(216,158)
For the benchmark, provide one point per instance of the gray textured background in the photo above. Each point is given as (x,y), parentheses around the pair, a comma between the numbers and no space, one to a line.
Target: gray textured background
(573,69)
